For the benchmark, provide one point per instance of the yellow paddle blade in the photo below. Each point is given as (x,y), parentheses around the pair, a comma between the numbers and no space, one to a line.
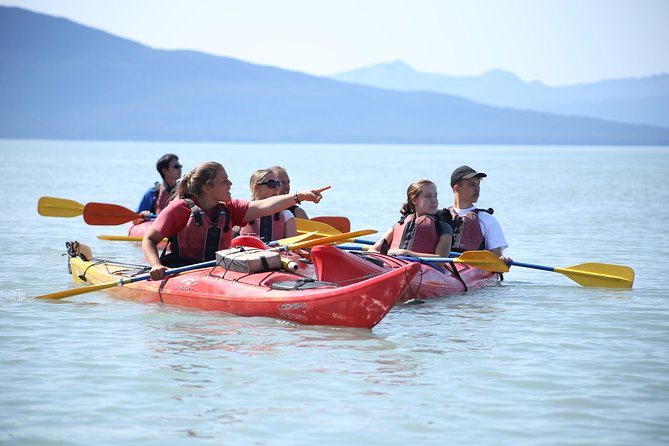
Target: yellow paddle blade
(600,275)
(341,238)
(297,238)
(59,207)
(323,229)
(121,238)
(484,260)
(80,290)
(340,223)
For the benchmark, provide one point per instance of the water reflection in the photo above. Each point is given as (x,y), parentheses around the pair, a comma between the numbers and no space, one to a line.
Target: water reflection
(253,336)
(223,349)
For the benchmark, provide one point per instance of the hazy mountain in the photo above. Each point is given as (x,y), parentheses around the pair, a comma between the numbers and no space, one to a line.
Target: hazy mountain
(62,80)
(637,101)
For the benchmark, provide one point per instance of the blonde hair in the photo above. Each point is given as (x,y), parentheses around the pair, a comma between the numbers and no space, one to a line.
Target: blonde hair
(192,183)
(256,178)
(413,191)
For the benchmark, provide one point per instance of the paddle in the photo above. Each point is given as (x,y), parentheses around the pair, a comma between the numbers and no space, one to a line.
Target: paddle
(591,274)
(59,207)
(102,286)
(600,275)
(341,224)
(94,213)
(484,260)
(109,214)
(294,239)
(121,238)
(586,274)
(354,248)
(281,242)
(124,238)
(327,240)
(323,229)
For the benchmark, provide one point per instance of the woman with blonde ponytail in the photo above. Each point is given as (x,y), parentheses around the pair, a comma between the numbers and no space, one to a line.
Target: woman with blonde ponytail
(199,221)
(418,233)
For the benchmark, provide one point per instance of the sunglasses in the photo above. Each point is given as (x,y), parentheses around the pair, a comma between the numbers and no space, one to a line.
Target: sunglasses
(177,166)
(270,183)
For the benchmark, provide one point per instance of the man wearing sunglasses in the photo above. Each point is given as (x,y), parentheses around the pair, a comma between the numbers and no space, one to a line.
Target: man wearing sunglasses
(158,196)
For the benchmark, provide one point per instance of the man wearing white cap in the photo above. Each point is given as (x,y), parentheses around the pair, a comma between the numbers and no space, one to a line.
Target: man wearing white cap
(473,228)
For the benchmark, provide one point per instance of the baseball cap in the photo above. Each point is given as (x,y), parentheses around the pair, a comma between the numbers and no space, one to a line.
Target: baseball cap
(464,172)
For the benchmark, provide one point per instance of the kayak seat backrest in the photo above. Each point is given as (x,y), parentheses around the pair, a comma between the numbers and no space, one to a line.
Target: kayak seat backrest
(76,249)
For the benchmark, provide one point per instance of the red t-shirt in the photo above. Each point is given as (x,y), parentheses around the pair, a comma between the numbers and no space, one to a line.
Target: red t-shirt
(175,216)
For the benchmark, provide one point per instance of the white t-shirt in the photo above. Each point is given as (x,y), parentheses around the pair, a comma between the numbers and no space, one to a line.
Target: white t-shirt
(490,228)
(287,215)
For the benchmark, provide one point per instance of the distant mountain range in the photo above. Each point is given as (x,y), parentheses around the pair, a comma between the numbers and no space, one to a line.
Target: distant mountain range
(62,80)
(634,101)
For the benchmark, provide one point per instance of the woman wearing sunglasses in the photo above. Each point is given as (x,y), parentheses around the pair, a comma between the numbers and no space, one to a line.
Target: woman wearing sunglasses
(199,221)
(158,196)
(264,183)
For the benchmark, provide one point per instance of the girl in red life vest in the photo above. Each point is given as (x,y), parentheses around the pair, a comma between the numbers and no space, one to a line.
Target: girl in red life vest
(282,175)
(418,233)
(201,217)
(264,184)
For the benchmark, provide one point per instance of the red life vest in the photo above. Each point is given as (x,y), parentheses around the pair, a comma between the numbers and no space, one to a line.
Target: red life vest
(416,234)
(267,229)
(163,198)
(467,233)
(202,237)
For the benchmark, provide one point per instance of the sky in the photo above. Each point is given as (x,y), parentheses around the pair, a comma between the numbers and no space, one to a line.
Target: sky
(557,42)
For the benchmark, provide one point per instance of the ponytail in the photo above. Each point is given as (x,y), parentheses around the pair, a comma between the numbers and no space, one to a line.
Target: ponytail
(194,181)
(413,191)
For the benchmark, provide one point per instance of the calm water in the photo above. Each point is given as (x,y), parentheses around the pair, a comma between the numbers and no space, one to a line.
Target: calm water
(538,360)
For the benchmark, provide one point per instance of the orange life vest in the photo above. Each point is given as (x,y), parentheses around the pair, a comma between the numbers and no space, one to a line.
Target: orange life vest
(202,236)
(467,233)
(416,234)
(267,229)
(163,198)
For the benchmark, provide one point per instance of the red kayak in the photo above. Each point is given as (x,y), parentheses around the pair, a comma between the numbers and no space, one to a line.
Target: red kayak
(275,293)
(336,265)
(296,263)
(139,229)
